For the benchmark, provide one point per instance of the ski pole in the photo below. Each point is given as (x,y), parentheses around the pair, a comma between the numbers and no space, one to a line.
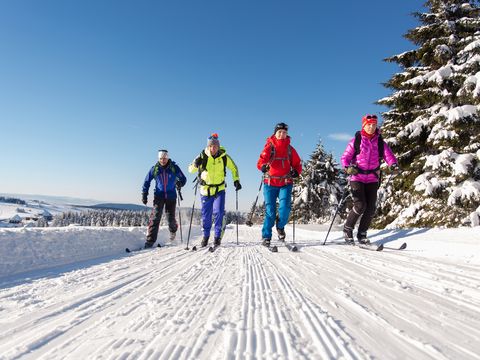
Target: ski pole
(180,197)
(293,214)
(344,197)
(191,216)
(249,221)
(236,208)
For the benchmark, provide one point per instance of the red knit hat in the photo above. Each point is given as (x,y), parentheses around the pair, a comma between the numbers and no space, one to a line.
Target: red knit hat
(369,119)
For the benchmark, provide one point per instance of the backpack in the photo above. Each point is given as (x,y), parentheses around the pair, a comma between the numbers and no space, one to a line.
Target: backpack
(273,152)
(156,169)
(381,147)
(203,164)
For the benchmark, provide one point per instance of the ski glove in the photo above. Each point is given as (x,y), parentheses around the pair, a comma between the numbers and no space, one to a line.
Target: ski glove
(265,168)
(197,162)
(144,198)
(178,184)
(294,173)
(394,169)
(351,170)
(237,185)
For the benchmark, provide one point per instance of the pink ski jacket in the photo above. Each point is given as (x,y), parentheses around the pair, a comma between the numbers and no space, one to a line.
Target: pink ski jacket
(367,159)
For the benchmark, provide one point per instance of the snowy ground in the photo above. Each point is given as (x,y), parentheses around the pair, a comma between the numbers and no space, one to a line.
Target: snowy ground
(241,302)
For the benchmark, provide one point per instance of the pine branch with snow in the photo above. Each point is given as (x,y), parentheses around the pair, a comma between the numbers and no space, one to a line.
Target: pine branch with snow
(433,124)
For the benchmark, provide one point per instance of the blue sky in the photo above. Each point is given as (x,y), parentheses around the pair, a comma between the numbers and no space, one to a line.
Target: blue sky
(91,89)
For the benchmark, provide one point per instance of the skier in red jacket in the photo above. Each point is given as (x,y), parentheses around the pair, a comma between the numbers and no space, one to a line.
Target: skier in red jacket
(280,164)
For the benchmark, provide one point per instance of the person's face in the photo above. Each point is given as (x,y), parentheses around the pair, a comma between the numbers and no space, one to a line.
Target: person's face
(370,128)
(213,149)
(281,134)
(163,160)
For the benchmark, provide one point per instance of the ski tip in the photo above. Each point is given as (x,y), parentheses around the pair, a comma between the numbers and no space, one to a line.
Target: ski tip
(404,246)
(194,248)
(294,249)
(380,247)
(127,250)
(274,249)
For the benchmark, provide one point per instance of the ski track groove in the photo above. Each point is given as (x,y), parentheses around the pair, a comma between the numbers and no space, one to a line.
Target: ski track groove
(335,262)
(244,302)
(69,316)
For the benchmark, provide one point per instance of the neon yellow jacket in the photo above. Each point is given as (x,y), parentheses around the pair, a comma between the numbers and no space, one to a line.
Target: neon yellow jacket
(213,170)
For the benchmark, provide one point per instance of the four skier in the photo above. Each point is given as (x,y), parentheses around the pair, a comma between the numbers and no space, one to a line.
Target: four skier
(168,177)
(361,160)
(280,164)
(212,164)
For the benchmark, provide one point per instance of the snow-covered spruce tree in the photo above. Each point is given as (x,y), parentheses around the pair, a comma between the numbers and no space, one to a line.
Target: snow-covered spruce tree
(433,124)
(319,188)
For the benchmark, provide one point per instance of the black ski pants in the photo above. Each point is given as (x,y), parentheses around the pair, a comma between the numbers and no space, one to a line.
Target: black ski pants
(156,215)
(364,197)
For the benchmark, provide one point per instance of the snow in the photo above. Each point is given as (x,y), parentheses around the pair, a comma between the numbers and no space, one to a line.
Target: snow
(467,190)
(88,299)
(32,208)
(435,76)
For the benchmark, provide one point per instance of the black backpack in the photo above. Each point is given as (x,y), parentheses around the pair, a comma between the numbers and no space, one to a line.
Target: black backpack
(381,146)
(203,164)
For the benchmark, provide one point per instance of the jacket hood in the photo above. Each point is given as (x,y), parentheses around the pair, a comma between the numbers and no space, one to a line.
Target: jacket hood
(221,152)
(279,142)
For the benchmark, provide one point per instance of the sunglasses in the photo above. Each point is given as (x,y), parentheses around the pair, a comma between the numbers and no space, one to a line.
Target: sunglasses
(371,117)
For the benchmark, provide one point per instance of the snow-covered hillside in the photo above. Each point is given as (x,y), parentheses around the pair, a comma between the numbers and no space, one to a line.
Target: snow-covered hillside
(30,212)
(242,301)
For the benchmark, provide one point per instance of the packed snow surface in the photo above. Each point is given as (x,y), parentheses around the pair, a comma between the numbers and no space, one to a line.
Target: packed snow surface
(73,293)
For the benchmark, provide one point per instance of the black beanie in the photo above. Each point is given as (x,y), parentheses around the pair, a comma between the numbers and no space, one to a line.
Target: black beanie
(281,126)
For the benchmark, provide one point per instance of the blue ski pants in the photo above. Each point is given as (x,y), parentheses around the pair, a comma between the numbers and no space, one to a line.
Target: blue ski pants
(213,206)
(270,194)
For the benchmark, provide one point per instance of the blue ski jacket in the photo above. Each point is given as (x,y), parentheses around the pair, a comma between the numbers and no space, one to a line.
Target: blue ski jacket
(165,179)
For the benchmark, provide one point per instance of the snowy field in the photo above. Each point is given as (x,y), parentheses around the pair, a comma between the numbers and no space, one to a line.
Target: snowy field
(73,293)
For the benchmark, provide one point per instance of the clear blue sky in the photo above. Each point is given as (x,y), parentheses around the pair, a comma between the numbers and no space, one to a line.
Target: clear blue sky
(91,89)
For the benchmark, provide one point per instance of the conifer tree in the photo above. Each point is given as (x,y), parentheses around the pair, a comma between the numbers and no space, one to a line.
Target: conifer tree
(319,188)
(433,122)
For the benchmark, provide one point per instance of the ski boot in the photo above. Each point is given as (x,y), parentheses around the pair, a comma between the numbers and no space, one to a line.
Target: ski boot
(172,236)
(217,241)
(281,234)
(362,238)
(348,235)
(266,242)
(204,241)
(148,245)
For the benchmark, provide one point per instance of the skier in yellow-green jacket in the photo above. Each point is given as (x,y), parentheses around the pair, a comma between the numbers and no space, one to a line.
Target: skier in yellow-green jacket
(211,165)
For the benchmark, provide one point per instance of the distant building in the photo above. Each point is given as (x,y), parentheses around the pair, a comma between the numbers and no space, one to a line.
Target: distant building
(47,215)
(15,219)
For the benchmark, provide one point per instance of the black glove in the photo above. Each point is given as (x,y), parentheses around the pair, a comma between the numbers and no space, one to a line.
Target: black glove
(294,173)
(237,185)
(144,198)
(394,169)
(197,162)
(265,168)
(351,170)
(178,184)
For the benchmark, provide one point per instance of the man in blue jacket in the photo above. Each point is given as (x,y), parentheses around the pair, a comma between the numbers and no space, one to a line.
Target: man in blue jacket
(168,177)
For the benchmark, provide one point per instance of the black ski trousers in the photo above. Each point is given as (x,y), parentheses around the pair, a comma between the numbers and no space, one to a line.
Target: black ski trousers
(364,197)
(156,215)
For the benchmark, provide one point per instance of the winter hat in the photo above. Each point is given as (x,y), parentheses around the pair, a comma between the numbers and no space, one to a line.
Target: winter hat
(280,126)
(213,140)
(369,119)
(162,154)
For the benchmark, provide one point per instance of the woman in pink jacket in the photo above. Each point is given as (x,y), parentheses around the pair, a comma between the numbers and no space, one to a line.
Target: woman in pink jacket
(361,160)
